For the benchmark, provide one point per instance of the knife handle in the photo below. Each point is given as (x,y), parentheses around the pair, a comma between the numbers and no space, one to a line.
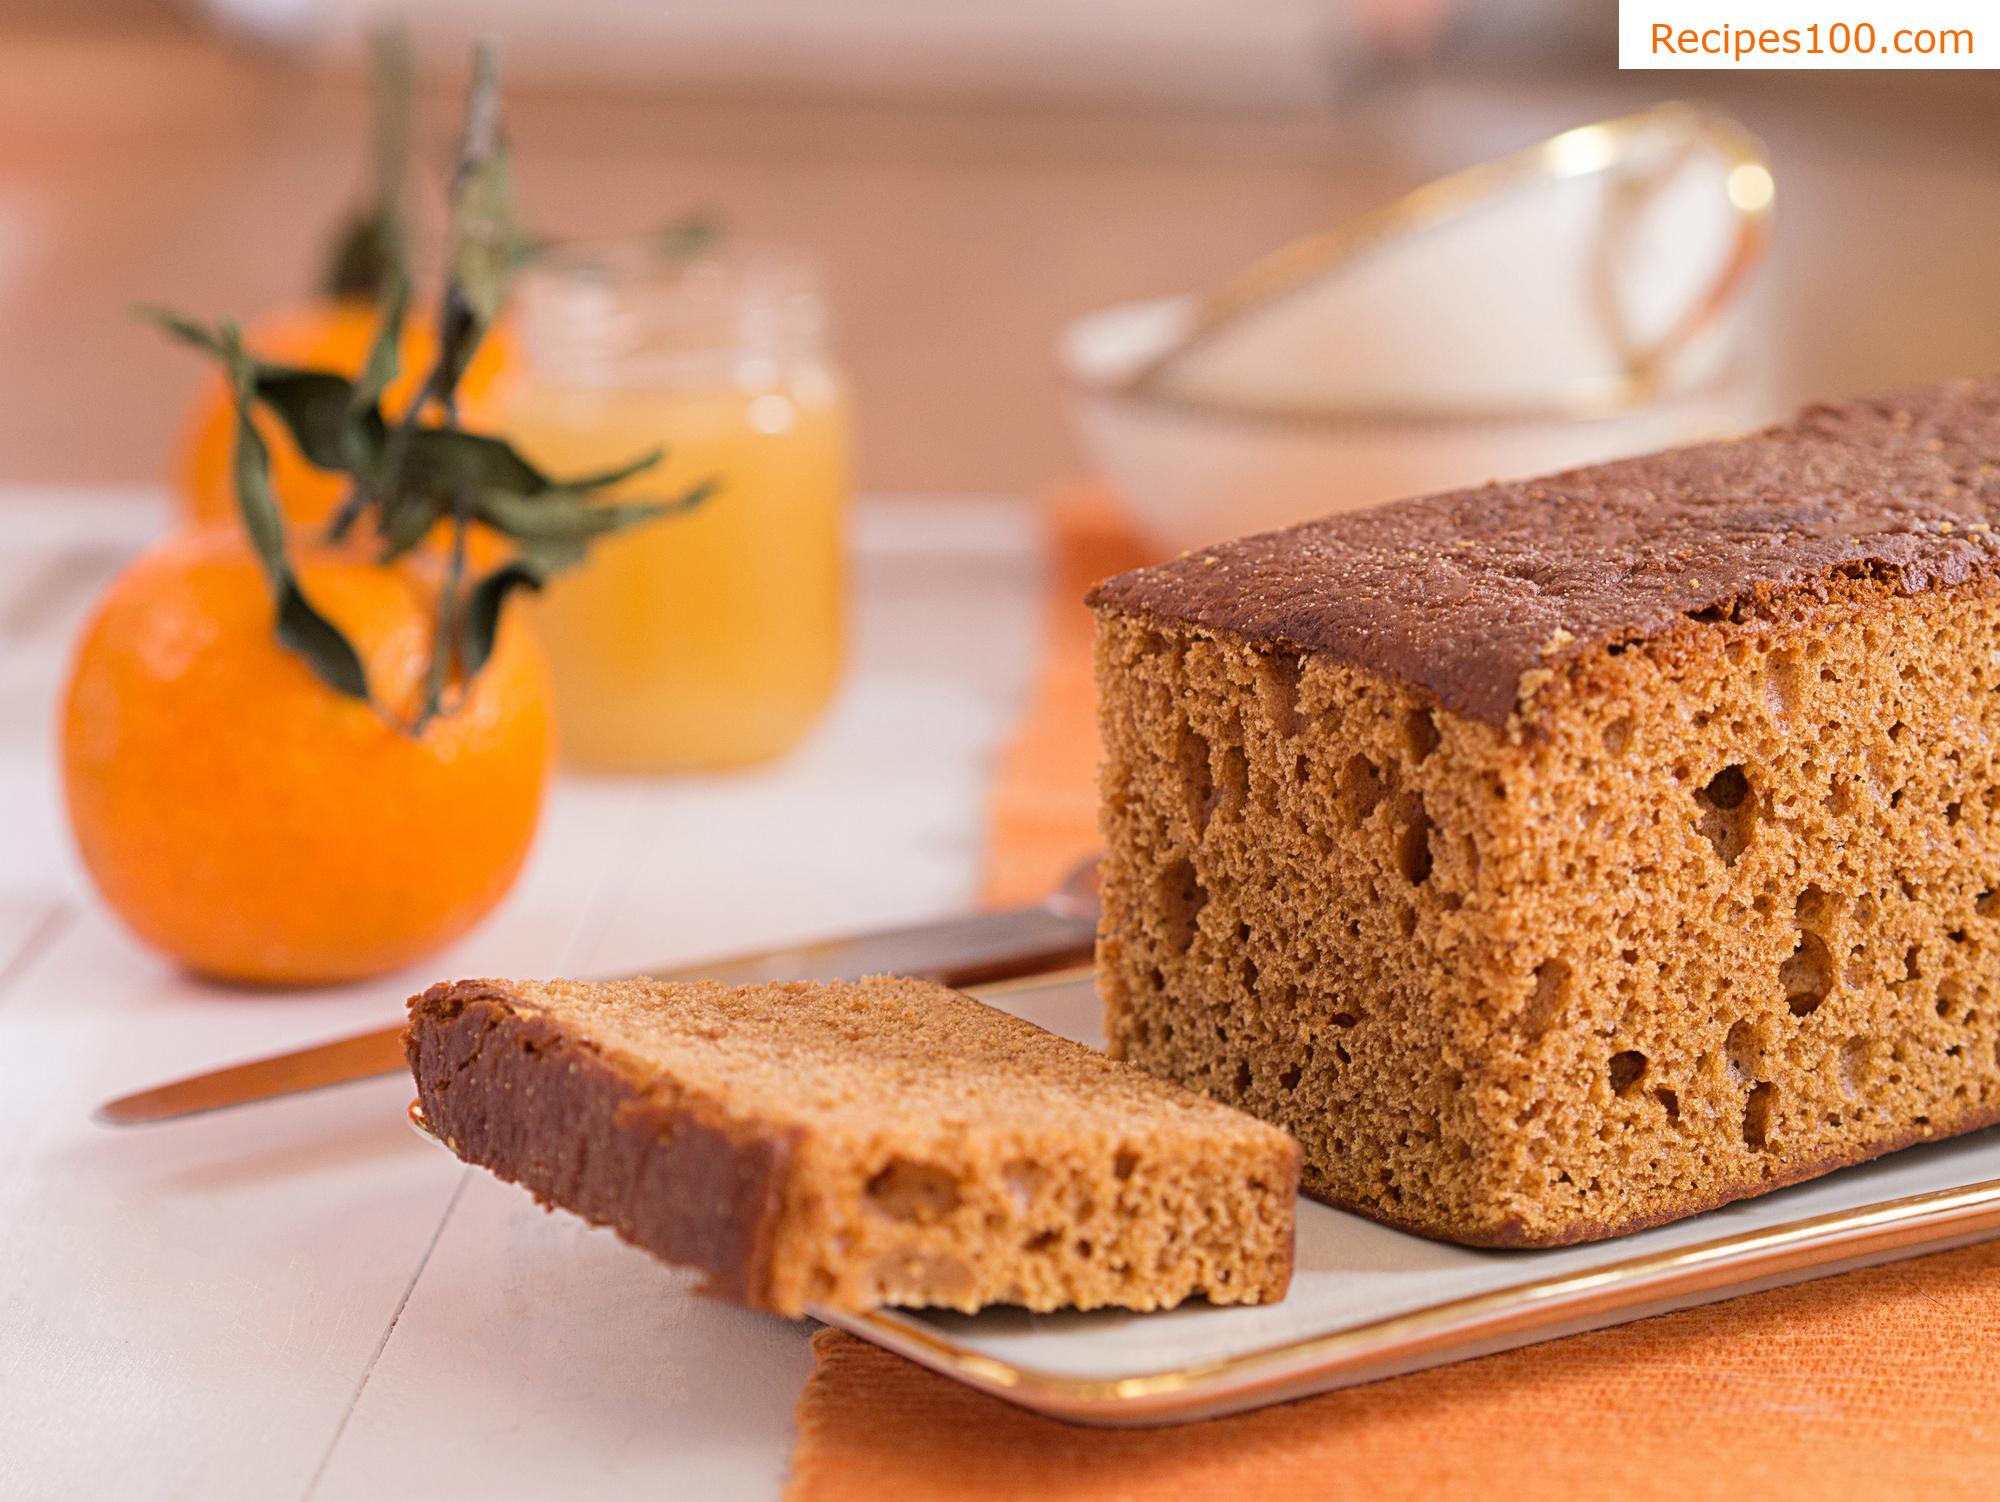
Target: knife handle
(977,949)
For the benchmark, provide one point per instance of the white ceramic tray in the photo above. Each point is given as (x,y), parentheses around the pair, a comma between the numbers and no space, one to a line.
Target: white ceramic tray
(1368,1302)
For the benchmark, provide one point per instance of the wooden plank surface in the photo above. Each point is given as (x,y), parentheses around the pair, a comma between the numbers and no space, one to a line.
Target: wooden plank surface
(277,1302)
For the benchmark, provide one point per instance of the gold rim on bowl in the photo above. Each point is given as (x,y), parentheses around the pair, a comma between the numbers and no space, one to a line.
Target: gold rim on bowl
(1748,183)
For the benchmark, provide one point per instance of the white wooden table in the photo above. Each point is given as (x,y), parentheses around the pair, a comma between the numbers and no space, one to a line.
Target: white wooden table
(304,1300)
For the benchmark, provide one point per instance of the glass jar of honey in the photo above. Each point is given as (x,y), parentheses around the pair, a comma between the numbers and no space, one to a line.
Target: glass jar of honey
(712,638)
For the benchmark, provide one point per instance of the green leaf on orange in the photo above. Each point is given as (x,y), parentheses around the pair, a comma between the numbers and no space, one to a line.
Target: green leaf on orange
(300,626)
(530,570)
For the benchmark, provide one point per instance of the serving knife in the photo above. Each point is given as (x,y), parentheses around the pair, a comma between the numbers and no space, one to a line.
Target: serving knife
(970,950)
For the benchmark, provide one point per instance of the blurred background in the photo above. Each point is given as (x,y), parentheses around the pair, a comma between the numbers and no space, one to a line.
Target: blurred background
(968,177)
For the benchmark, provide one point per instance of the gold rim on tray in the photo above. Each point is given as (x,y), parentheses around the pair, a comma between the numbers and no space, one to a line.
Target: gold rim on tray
(1453,1329)
(1478,1324)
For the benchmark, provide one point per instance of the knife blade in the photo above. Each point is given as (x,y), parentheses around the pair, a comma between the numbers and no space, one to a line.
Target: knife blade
(968,950)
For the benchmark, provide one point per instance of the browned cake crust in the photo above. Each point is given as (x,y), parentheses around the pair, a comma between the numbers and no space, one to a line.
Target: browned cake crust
(1463,594)
(850,1145)
(1564,857)
(506,1088)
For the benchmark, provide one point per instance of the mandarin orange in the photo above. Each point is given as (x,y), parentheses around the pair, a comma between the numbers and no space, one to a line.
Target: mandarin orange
(257,826)
(319,336)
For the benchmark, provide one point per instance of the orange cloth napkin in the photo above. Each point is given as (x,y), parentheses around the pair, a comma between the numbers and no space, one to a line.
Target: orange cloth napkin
(1879,1384)
(1876,1385)
(1042,810)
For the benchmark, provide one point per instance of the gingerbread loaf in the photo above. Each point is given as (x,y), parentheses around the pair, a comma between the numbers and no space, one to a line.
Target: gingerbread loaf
(845,1146)
(1558,858)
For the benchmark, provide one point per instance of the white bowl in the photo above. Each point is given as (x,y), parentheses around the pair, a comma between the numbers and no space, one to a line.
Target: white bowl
(1578,301)
(1196,474)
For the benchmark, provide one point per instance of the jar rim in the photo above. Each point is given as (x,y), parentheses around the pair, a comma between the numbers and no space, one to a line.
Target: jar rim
(640,257)
(623,308)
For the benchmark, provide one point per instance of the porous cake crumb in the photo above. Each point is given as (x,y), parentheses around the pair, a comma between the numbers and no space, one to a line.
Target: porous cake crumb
(847,1146)
(1558,858)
